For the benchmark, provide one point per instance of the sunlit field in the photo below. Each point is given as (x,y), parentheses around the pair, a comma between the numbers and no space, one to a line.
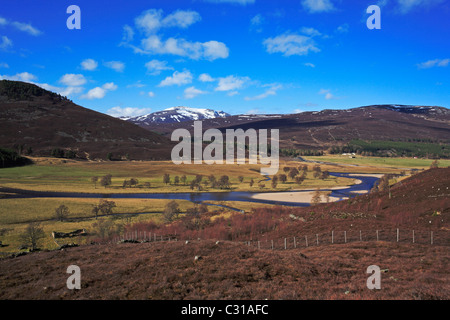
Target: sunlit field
(49,174)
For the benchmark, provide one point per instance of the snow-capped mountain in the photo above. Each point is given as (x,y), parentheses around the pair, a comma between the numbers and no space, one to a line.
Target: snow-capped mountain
(177,114)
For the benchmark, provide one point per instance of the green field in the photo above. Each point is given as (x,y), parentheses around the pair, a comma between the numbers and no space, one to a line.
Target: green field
(381,162)
(75,176)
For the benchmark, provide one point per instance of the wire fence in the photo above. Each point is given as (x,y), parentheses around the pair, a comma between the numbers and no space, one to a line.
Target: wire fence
(425,237)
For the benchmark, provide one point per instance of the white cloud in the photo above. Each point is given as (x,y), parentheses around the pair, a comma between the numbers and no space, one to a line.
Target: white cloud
(309,64)
(128,34)
(256,23)
(310,32)
(151,94)
(327,94)
(241,2)
(4,65)
(25,27)
(434,63)
(127,112)
(213,50)
(178,78)
(110,86)
(192,92)
(115,65)
(138,84)
(73,80)
(181,19)
(152,20)
(232,93)
(291,44)
(406,6)
(68,91)
(204,77)
(314,6)
(89,64)
(231,83)
(149,21)
(96,93)
(343,28)
(99,92)
(210,50)
(269,92)
(155,67)
(5,43)
(257,20)
(24,77)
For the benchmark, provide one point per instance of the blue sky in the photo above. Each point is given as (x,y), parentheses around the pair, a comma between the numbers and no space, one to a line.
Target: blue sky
(239,56)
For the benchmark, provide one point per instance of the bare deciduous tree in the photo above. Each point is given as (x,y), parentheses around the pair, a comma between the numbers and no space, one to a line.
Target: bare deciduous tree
(32,235)
(171,211)
(61,213)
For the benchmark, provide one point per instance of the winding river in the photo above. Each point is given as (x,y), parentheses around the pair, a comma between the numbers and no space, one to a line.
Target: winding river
(366,182)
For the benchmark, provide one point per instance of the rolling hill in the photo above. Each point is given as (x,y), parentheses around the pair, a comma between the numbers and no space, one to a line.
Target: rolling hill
(328,128)
(36,121)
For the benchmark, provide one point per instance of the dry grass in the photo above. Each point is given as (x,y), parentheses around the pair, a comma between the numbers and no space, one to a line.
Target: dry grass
(165,271)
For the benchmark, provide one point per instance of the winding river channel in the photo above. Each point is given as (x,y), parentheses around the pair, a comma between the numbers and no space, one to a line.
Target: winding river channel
(364,184)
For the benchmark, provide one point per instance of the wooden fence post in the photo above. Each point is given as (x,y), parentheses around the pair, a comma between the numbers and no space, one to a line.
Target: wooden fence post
(345,236)
(317,238)
(332,236)
(306,238)
(360,235)
(431,237)
(377,235)
(272,244)
(285,244)
(413,237)
(397,234)
(295,244)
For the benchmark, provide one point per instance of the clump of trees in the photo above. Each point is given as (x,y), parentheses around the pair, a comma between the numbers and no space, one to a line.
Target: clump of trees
(26,91)
(286,152)
(10,158)
(61,153)
(133,182)
(104,206)
(105,228)
(317,171)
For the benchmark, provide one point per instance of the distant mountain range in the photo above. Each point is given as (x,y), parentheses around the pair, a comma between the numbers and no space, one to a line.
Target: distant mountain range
(38,121)
(176,115)
(328,128)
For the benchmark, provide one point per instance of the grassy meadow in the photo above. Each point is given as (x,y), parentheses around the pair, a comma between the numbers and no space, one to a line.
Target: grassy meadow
(49,174)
